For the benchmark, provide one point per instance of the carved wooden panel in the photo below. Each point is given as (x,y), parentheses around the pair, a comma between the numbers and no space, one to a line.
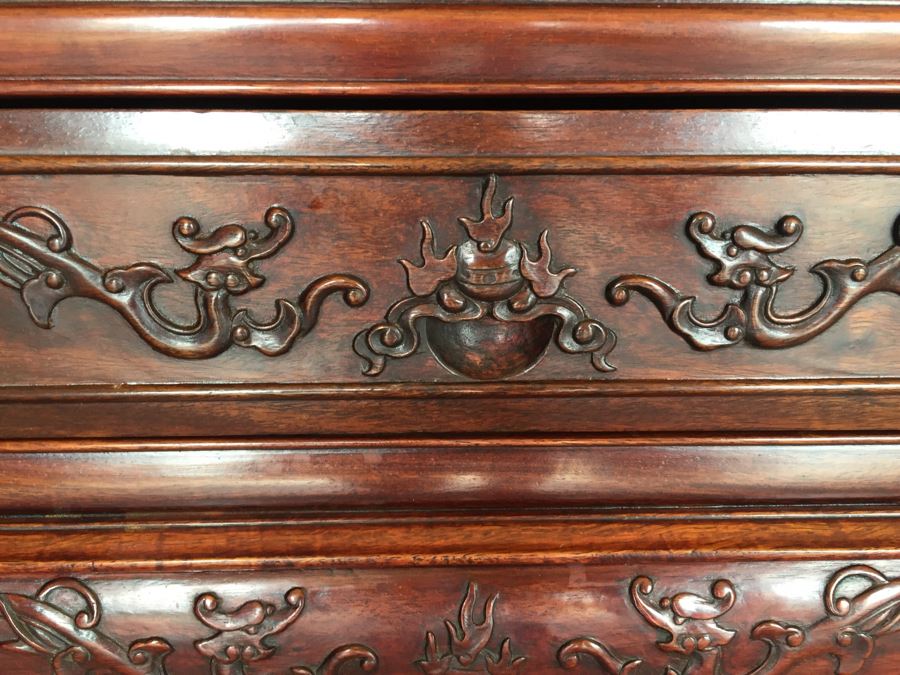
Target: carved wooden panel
(725,618)
(47,272)
(698,642)
(452,478)
(743,262)
(488,310)
(611,188)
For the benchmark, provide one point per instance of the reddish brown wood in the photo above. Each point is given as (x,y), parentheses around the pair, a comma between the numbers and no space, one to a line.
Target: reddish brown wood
(208,540)
(272,473)
(730,512)
(598,226)
(441,141)
(481,49)
(387,614)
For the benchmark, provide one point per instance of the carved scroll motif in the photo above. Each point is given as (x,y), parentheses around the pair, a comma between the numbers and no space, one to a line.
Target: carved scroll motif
(48,270)
(744,263)
(243,636)
(487,308)
(468,642)
(697,642)
(74,644)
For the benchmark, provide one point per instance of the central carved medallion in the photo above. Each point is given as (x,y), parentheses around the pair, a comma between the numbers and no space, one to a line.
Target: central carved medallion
(487,308)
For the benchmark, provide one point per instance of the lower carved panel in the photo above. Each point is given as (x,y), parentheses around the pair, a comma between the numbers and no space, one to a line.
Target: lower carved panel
(727,619)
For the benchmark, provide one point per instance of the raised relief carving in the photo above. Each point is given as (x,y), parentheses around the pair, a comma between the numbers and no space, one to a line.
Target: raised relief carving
(48,270)
(744,263)
(243,636)
(696,641)
(487,308)
(467,649)
(71,639)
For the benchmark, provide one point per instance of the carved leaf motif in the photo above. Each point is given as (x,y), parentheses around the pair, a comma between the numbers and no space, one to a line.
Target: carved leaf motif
(489,231)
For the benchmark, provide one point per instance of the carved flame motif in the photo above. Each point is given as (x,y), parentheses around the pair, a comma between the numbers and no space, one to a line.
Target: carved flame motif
(488,309)
(468,644)
(45,272)
(846,634)
(74,644)
(244,633)
(743,260)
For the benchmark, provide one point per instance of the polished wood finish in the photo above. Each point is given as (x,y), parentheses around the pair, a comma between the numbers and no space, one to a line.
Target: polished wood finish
(278,473)
(541,612)
(537,479)
(311,49)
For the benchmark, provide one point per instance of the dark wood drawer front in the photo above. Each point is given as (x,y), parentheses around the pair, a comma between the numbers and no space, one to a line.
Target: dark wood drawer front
(520,234)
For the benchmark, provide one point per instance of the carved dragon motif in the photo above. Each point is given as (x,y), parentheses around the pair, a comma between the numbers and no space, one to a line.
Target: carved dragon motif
(847,633)
(744,263)
(48,270)
(243,636)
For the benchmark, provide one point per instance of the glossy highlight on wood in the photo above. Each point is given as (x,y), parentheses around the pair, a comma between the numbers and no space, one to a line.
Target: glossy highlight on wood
(488,309)
(386,49)
(481,508)
(47,272)
(75,644)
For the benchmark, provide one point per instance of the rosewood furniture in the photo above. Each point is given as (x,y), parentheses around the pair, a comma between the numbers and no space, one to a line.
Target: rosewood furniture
(449,338)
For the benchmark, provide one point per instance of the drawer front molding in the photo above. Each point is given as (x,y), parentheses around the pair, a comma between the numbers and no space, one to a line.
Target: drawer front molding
(46,272)
(488,309)
(744,263)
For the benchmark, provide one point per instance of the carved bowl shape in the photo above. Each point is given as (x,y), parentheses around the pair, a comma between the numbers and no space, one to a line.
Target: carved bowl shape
(488,349)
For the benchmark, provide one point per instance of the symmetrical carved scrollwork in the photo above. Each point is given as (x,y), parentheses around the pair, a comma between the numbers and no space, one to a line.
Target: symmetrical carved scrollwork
(487,308)
(744,263)
(47,271)
(74,644)
(467,651)
(243,636)
(846,633)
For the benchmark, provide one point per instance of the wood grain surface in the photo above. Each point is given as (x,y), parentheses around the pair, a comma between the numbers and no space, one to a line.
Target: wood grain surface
(729,511)
(311,49)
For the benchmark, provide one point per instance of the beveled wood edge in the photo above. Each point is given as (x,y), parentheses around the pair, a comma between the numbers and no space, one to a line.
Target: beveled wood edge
(314,443)
(151,87)
(307,49)
(448,541)
(426,166)
(416,390)
(433,475)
